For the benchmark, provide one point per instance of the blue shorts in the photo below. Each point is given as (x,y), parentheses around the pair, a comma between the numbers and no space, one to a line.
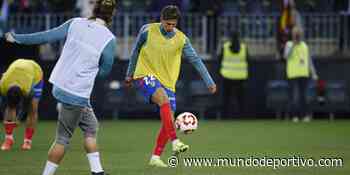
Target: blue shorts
(148,86)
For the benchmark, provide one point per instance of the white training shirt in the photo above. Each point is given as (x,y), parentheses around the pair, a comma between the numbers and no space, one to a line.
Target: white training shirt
(78,65)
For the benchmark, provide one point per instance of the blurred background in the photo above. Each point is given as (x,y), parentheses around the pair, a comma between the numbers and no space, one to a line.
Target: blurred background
(263,25)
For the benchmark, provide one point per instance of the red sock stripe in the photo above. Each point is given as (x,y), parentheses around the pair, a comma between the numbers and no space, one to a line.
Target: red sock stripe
(9,127)
(29,133)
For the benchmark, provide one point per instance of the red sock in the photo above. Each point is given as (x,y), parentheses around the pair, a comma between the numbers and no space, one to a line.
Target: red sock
(165,115)
(161,142)
(29,133)
(9,127)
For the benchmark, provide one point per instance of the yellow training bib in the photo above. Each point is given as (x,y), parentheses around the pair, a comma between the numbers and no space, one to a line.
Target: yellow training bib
(160,56)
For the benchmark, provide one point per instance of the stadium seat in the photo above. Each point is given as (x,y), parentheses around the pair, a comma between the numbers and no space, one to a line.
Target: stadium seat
(277,96)
(335,98)
(201,99)
(336,94)
(118,99)
(139,103)
(181,94)
(115,97)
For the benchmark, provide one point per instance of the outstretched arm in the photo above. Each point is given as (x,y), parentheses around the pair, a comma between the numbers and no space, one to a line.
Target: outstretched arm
(191,55)
(107,58)
(51,35)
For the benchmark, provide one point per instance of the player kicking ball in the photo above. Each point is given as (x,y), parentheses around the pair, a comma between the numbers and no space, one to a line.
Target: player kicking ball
(154,68)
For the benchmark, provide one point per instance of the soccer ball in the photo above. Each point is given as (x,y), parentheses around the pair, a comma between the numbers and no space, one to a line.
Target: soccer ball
(186,122)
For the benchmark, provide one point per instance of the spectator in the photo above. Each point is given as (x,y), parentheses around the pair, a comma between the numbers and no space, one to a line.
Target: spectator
(4,14)
(290,18)
(299,68)
(234,70)
(24,5)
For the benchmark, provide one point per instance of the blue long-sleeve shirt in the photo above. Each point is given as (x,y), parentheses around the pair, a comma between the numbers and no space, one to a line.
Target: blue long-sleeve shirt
(188,52)
(60,33)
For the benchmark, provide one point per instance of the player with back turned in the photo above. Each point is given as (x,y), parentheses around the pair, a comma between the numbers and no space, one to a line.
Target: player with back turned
(88,52)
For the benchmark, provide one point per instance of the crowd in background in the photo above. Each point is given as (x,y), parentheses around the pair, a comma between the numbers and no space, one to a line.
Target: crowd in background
(289,14)
(201,6)
(211,8)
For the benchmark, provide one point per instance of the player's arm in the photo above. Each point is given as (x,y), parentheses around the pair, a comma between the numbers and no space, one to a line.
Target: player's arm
(34,105)
(140,41)
(191,55)
(33,112)
(107,58)
(51,35)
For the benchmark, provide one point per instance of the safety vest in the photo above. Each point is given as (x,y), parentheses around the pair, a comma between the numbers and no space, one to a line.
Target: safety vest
(234,65)
(298,61)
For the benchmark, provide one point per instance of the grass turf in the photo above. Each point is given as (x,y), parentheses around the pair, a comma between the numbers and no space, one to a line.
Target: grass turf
(125,147)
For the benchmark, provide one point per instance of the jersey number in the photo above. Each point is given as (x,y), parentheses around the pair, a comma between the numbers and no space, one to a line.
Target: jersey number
(149,80)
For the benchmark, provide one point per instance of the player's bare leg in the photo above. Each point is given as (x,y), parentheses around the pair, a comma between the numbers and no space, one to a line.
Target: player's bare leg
(90,145)
(55,156)
(56,153)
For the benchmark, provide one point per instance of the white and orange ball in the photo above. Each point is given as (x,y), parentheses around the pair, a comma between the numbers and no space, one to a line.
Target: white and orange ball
(186,122)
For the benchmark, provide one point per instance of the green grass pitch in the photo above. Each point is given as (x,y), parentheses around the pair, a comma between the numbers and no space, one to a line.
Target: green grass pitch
(126,145)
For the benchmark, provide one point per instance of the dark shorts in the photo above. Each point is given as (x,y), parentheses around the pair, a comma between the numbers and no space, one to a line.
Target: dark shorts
(148,86)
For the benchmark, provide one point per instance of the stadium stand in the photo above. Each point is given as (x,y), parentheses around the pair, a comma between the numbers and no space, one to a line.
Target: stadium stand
(277,96)
(326,32)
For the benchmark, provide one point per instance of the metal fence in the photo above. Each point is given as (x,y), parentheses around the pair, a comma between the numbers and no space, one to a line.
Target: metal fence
(326,34)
